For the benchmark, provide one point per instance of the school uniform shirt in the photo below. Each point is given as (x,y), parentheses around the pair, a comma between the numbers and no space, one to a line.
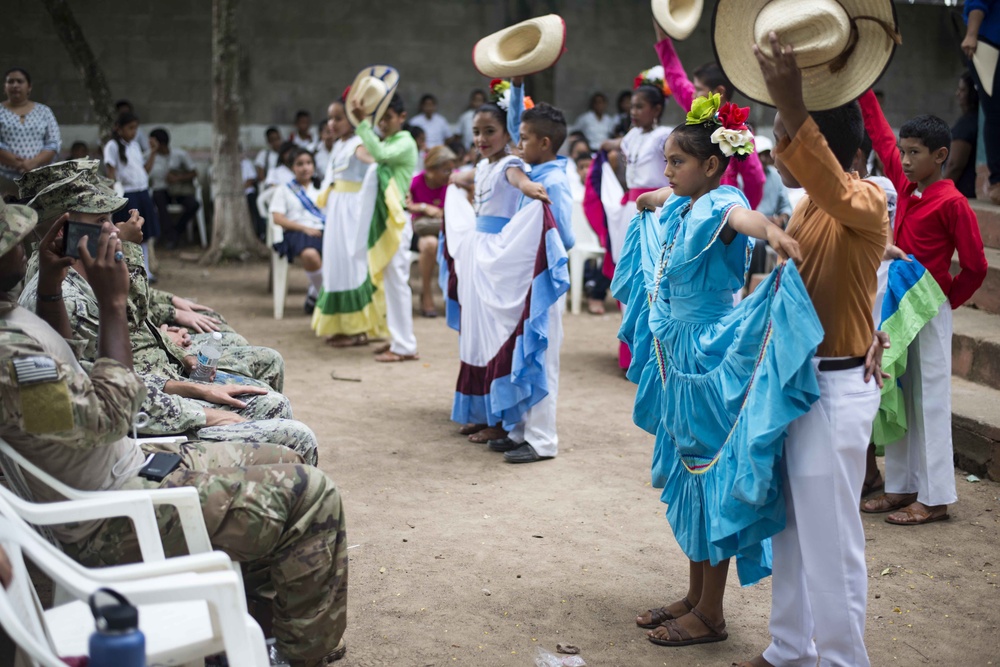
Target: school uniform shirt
(266,160)
(841,226)
(321,159)
(308,143)
(436,128)
(552,175)
(279,176)
(644,161)
(748,174)
(596,130)
(248,172)
(287,203)
(463,127)
(176,160)
(132,174)
(932,224)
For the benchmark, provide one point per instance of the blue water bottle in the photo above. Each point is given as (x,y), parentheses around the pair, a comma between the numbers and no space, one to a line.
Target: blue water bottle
(118,642)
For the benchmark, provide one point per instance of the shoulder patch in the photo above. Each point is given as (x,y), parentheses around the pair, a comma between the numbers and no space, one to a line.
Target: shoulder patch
(35,369)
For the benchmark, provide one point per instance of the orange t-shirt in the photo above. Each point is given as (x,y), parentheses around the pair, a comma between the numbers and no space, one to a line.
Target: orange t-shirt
(841,226)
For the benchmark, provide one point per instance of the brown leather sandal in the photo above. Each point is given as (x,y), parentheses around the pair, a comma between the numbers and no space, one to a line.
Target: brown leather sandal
(469,429)
(883,503)
(660,615)
(487,434)
(917,516)
(678,636)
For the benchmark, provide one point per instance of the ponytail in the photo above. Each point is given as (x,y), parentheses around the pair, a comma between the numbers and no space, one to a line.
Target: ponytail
(124,119)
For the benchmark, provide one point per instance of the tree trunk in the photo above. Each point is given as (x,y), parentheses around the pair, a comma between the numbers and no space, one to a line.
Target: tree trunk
(72,37)
(233,236)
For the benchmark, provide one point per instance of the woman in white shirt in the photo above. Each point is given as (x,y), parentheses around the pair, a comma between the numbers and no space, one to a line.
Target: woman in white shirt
(124,164)
(294,210)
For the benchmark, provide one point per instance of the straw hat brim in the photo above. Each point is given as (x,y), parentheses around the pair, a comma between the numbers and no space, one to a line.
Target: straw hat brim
(679,23)
(389,76)
(733,27)
(522,49)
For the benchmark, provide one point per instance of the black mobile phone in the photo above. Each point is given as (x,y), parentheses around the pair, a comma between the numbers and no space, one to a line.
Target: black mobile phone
(73,231)
(162,465)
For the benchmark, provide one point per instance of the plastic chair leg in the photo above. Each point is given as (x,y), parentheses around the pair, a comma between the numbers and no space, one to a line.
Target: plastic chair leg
(576,265)
(280,272)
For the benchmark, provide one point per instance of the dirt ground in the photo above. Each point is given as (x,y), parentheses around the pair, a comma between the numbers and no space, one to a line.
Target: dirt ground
(459,558)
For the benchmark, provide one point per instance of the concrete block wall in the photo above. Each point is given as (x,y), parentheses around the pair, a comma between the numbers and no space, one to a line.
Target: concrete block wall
(302,53)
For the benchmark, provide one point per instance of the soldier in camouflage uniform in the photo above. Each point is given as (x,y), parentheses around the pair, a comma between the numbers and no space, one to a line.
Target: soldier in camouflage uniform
(173,404)
(262,505)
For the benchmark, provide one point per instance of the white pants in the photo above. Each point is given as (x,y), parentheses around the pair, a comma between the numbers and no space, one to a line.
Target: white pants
(538,428)
(399,299)
(820,581)
(922,462)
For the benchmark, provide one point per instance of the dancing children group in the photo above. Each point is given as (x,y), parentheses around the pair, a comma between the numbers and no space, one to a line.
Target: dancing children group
(762,409)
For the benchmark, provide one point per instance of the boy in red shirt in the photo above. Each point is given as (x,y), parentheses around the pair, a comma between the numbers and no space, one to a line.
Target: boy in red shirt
(933,219)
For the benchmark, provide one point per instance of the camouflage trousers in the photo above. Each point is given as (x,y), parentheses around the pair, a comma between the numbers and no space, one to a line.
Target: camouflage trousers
(242,358)
(286,432)
(268,510)
(271,405)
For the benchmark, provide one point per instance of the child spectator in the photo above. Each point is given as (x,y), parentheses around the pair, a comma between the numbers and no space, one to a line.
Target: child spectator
(282,171)
(124,106)
(463,127)
(303,135)
(124,163)
(709,78)
(323,148)
(430,121)
(933,219)
(248,172)
(623,118)
(171,177)
(420,137)
(267,158)
(427,192)
(596,124)
(961,165)
(294,209)
(79,151)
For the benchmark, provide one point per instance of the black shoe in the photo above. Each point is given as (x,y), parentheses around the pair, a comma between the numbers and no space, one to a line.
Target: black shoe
(503,445)
(523,454)
(310,305)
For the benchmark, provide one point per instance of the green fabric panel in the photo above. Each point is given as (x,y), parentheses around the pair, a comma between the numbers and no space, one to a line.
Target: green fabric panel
(348,301)
(381,214)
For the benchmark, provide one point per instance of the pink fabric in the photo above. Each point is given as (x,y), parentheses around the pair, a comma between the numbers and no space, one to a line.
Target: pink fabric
(421,194)
(682,90)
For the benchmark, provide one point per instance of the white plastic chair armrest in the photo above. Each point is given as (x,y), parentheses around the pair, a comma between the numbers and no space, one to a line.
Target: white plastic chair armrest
(188,505)
(214,561)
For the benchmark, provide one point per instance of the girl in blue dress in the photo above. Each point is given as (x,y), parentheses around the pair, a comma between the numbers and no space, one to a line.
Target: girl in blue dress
(718,384)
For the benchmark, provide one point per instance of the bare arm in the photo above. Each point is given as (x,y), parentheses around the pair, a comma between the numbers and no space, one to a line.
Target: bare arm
(519,179)
(958,157)
(52,269)
(756,225)
(653,200)
(971,41)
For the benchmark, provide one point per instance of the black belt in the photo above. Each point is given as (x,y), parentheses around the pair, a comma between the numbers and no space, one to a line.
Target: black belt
(827,365)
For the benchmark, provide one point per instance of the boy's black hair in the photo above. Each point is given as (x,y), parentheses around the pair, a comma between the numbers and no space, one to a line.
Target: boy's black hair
(457,146)
(124,118)
(425,98)
(298,152)
(493,110)
(396,104)
(161,135)
(285,153)
(930,130)
(271,130)
(586,156)
(653,95)
(625,94)
(971,93)
(415,131)
(121,103)
(596,96)
(320,126)
(302,113)
(546,121)
(712,76)
(79,144)
(866,145)
(696,141)
(844,129)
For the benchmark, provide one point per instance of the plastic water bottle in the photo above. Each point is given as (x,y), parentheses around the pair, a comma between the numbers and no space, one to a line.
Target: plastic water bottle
(118,642)
(208,359)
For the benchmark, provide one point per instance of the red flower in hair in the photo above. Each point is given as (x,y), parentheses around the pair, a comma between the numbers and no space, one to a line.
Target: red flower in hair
(343,95)
(733,117)
(494,82)
(637,82)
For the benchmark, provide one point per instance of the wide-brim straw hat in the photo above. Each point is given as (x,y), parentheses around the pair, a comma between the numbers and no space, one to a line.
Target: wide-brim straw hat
(842,47)
(522,49)
(374,86)
(678,18)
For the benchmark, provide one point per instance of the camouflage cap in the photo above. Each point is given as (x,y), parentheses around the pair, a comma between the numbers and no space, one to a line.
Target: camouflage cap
(16,222)
(74,186)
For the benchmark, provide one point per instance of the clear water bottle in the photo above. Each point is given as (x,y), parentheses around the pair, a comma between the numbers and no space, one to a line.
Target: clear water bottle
(117,642)
(208,359)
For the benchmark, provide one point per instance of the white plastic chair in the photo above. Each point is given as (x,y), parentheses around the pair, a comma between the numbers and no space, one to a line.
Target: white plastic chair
(189,607)
(279,271)
(587,247)
(177,209)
